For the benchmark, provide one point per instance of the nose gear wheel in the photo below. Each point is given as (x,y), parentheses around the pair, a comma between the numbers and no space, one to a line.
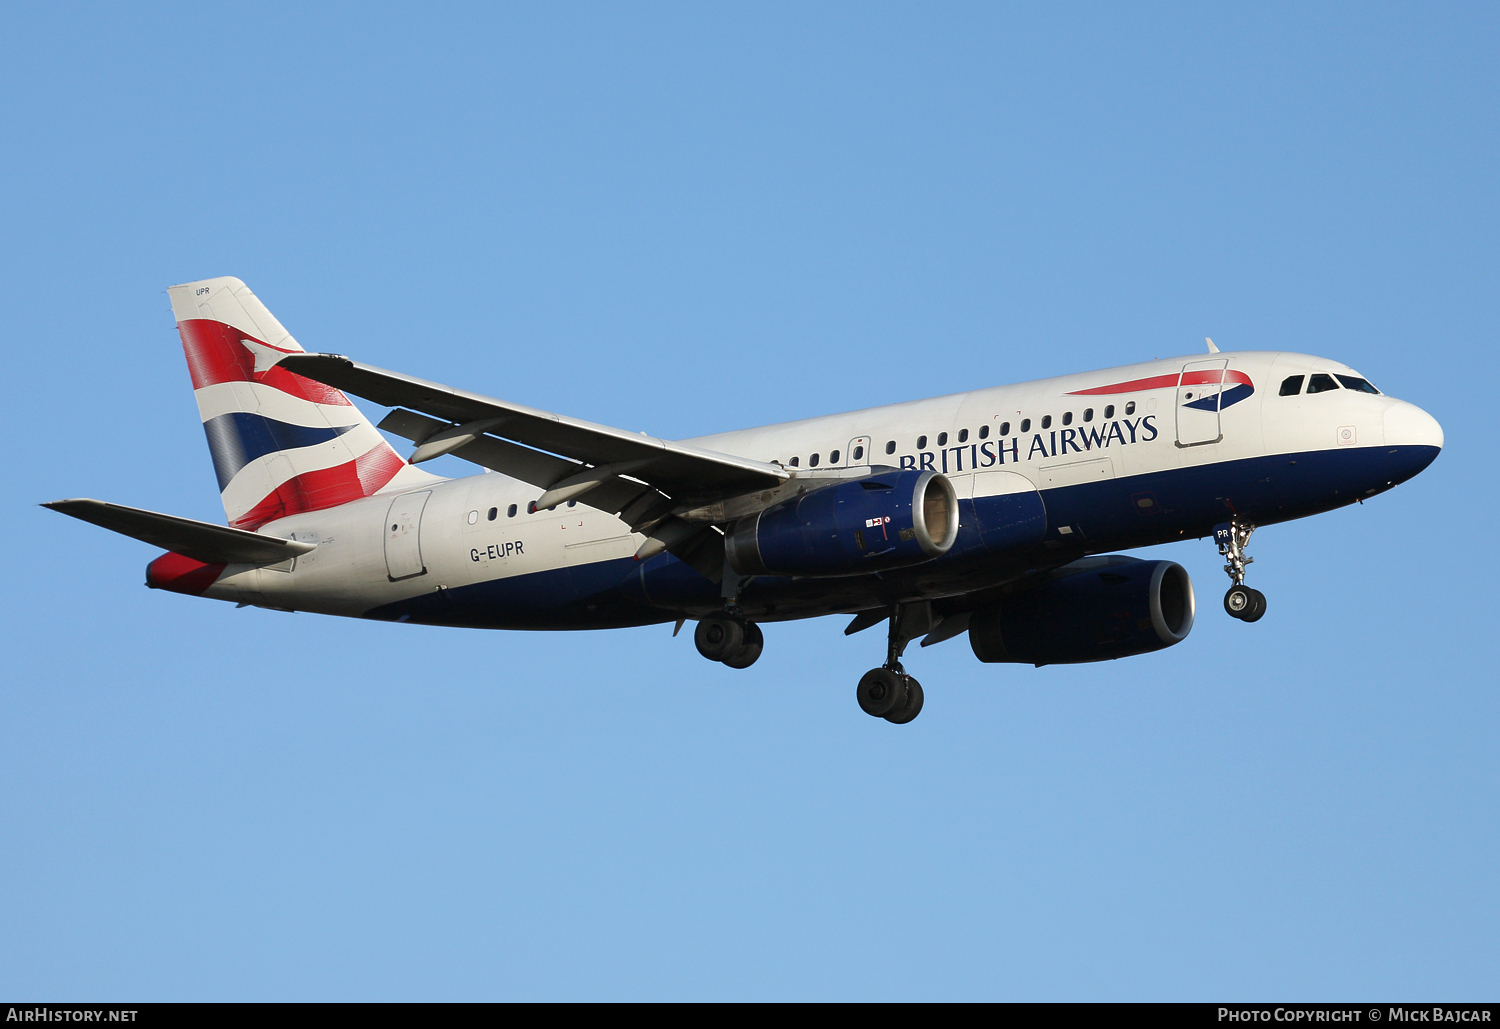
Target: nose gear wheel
(1245,603)
(1242,602)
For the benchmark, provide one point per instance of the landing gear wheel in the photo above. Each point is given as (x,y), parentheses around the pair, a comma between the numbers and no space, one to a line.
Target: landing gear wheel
(913,706)
(749,650)
(881,691)
(1239,602)
(1242,602)
(718,636)
(1257,607)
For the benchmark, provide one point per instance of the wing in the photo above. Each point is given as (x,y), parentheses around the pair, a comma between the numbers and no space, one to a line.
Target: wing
(686,473)
(201,541)
(536,446)
(638,477)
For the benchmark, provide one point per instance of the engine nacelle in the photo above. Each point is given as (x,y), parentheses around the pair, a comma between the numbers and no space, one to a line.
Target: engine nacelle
(850,527)
(1100,613)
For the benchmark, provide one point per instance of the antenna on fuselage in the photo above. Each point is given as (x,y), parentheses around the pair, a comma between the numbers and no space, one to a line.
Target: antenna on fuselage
(1211,348)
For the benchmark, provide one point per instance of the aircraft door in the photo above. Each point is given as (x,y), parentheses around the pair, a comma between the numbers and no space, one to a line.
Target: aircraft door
(1198,391)
(403,536)
(858,452)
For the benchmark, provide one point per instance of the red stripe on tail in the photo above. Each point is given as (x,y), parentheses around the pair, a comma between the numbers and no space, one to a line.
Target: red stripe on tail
(215,354)
(325,488)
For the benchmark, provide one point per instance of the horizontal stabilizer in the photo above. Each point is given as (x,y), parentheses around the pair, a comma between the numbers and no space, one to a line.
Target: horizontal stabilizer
(201,541)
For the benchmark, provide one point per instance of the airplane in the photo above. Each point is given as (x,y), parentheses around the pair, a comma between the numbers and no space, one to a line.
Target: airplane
(994,512)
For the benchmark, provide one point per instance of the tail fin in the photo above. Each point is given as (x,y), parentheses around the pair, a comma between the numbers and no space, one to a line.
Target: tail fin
(280,443)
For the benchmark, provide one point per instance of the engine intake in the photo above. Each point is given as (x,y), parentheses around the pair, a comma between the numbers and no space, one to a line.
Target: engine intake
(1106,611)
(850,527)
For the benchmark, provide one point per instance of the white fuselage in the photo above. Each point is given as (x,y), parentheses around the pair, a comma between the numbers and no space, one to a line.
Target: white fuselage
(473,541)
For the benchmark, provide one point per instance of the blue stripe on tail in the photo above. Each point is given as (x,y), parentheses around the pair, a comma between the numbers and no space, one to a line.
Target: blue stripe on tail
(237,438)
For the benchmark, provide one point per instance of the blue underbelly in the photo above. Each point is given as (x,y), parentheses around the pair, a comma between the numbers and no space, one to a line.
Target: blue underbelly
(999,538)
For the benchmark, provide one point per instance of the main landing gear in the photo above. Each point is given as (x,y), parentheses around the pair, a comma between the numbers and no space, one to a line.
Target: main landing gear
(733,641)
(1242,602)
(888,692)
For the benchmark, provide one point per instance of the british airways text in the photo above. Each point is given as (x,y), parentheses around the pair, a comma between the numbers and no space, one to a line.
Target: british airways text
(1054,444)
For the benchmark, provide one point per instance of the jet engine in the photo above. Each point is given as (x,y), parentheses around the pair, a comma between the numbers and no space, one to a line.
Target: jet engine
(850,527)
(1115,607)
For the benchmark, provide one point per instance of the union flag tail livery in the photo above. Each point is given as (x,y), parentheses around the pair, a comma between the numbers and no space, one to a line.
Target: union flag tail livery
(993,513)
(281,444)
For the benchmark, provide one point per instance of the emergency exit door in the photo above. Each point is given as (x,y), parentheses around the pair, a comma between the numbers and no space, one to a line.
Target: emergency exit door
(403,536)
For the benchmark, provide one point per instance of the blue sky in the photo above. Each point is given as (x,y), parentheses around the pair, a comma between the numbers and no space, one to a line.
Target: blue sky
(686,219)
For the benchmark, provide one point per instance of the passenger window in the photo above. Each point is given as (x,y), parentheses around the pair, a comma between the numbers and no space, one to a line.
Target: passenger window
(1321,383)
(1357,384)
(942,439)
(1109,412)
(1025,424)
(793,462)
(510,512)
(1088,414)
(833,458)
(1067,417)
(1292,385)
(890,446)
(572,503)
(493,512)
(984,431)
(1046,421)
(963,435)
(812,462)
(921,442)
(1129,408)
(859,452)
(1005,428)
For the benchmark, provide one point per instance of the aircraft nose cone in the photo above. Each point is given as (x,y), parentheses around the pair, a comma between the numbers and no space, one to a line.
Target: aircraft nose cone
(1407,425)
(1413,439)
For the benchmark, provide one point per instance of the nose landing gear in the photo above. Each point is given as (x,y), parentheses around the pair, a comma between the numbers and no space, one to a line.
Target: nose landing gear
(1242,602)
(888,692)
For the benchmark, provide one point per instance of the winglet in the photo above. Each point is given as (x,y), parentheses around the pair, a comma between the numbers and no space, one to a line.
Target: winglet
(1211,348)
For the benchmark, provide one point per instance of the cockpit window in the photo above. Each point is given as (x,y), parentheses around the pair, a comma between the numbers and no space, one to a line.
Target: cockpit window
(1357,384)
(1292,385)
(1321,383)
